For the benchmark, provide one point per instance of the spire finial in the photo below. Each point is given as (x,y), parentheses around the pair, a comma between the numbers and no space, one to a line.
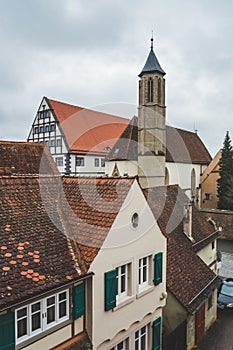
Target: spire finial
(152,39)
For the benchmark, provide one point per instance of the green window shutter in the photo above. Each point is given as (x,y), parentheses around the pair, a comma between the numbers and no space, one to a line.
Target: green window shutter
(110,289)
(79,300)
(7,332)
(156,338)
(158,268)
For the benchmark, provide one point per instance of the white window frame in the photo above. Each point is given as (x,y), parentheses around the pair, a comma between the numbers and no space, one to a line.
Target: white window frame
(143,331)
(144,266)
(43,316)
(80,160)
(122,276)
(59,161)
(123,342)
(97,162)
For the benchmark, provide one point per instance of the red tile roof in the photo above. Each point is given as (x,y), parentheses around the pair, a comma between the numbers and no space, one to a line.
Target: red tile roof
(35,253)
(191,286)
(93,205)
(182,146)
(85,130)
(25,158)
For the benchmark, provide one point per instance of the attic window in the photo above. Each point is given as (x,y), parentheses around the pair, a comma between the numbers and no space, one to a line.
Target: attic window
(116,150)
(208,197)
(134,220)
(107,148)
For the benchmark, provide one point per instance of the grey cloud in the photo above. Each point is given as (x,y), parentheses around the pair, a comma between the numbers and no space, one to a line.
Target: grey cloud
(89,53)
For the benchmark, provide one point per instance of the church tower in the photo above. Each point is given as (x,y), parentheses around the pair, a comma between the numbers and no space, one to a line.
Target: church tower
(151,123)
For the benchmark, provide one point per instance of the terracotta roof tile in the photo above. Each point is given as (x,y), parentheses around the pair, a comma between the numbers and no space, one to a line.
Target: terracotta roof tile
(34,254)
(87,130)
(182,146)
(93,205)
(25,158)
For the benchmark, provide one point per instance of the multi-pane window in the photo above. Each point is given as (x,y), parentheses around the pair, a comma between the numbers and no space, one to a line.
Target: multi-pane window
(52,127)
(36,130)
(59,161)
(58,142)
(102,162)
(141,339)
(52,143)
(122,274)
(41,315)
(121,346)
(143,272)
(79,161)
(44,114)
(46,128)
(42,128)
(97,162)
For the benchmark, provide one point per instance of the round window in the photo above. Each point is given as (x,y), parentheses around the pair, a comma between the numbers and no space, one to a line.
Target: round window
(134,220)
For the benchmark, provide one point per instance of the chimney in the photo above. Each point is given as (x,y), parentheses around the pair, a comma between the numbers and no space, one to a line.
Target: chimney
(188,219)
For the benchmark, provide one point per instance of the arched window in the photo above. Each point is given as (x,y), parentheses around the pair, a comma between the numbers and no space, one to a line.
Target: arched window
(159,91)
(166,177)
(150,90)
(193,183)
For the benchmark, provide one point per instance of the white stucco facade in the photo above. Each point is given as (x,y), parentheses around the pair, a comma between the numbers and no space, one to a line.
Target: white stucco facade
(125,245)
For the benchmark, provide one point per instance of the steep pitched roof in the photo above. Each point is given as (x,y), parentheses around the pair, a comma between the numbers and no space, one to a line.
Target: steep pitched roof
(35,253)
(181,146)
(190,286)
(85,130)
(92,206)
(25,158)
(212,167)
(152,64)
(189,279)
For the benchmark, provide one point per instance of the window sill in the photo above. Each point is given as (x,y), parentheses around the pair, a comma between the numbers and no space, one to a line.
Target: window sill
(123,302)
(144,291)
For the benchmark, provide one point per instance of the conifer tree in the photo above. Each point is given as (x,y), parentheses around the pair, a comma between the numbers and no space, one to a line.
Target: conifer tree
(225,181)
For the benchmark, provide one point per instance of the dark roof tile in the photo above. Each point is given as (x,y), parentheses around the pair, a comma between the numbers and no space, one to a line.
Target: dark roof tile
(25,158)
(182,146)
(35,253)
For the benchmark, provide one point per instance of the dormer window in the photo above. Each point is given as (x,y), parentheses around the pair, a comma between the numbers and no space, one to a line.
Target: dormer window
(150,90)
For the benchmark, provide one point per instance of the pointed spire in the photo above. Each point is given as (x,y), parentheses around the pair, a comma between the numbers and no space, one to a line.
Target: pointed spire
(152,64)
(152,39)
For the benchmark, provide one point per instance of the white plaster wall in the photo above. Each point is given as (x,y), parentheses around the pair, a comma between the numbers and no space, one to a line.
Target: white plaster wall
(208,255)
(51,340)
(126,245)
(130,333)
(180,173)
(89,168)
(124,167)
(211,313)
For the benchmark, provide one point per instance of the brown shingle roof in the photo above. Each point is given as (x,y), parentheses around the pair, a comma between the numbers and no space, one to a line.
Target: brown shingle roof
(35,254)
(190,285)
(93,204)
(182,146)
(189,279)
(25,158)
(85,130)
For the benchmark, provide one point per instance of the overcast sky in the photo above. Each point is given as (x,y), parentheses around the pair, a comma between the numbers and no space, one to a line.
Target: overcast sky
(90,53)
